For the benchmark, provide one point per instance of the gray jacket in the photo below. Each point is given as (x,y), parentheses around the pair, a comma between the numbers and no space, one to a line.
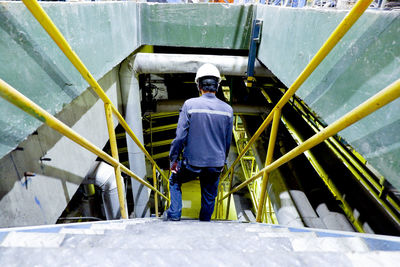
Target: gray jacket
(204,132)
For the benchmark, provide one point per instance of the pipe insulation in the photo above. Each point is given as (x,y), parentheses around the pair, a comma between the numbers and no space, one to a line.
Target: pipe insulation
(130,92)
(102,175)
(189,63)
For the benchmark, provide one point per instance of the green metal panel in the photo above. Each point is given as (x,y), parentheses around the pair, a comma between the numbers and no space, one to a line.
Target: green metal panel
(31,62)
(363,63)
(196,25)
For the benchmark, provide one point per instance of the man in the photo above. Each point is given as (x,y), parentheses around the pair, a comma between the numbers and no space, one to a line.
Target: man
(204,135)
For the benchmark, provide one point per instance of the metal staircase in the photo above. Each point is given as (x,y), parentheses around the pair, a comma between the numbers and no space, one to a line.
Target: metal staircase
(151,241)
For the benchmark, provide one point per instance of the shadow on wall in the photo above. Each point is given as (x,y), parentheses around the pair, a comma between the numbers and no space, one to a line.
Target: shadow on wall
(30,155)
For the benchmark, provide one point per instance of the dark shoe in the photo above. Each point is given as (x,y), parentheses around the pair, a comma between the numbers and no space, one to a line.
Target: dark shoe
(167,218)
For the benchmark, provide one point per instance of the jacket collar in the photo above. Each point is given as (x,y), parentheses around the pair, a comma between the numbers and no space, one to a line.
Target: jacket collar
(208,95)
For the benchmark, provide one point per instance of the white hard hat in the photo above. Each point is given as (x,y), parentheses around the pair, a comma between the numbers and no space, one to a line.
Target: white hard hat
(207,70)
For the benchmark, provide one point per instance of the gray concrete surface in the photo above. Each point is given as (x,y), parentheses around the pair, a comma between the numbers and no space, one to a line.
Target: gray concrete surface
(150,242)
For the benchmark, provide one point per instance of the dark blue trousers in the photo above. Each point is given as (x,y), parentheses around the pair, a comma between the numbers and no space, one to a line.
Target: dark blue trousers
(209,178)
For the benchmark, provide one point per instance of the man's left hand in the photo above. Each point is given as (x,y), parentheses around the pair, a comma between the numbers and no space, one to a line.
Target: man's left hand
(174,167)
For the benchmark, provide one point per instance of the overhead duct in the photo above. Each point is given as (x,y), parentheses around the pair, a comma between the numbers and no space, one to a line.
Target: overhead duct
(189,63)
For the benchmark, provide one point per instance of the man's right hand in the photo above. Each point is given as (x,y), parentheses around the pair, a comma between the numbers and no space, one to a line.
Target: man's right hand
(174,167)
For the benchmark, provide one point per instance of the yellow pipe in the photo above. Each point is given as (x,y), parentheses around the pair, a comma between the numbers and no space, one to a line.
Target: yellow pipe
(114,153)
(13,96)
(229,199)
(217,202)
(374,103)
(333,39)
(155,195)
(268,160)
(46,22)
(90,190)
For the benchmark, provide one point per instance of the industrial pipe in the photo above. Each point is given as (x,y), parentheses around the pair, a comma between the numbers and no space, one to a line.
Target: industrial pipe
(189,63)
(103,176)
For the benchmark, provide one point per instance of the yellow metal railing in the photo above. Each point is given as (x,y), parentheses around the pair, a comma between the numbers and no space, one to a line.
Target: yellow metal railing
(250,168)
(374,103)
(13,96)
(384,97)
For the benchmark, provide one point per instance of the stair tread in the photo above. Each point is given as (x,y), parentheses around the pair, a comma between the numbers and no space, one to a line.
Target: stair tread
(152,241)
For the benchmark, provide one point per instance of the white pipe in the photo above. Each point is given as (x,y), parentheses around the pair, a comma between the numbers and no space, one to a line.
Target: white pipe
(189,63)
(130,92)
(102,175)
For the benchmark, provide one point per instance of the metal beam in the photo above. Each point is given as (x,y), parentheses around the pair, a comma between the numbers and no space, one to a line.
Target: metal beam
(238,109)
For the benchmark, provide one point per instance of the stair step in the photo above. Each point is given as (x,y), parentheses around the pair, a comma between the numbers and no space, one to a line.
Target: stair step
(151,241)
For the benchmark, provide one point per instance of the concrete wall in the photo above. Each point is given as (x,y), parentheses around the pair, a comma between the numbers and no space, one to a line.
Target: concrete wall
(101,34)
(42,198)
(196,25)
(362,64)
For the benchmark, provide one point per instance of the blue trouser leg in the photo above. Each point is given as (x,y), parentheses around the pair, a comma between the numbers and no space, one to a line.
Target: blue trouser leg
(175,209)
(185,174)
(209,179)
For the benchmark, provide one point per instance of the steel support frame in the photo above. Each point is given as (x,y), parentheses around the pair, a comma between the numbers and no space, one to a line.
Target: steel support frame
(348,21)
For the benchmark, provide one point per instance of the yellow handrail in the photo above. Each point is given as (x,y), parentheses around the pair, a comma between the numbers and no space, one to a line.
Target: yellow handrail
(46,22)
(374,103)
(333,39)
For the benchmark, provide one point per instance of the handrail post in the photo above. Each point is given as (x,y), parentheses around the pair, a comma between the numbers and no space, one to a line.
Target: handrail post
(229,199)
(114,153)
(155,183)
(268,160)
(217,203)
(221,204)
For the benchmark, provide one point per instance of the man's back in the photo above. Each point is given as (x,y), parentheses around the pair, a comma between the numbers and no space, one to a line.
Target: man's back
(204,134)
(205,131)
